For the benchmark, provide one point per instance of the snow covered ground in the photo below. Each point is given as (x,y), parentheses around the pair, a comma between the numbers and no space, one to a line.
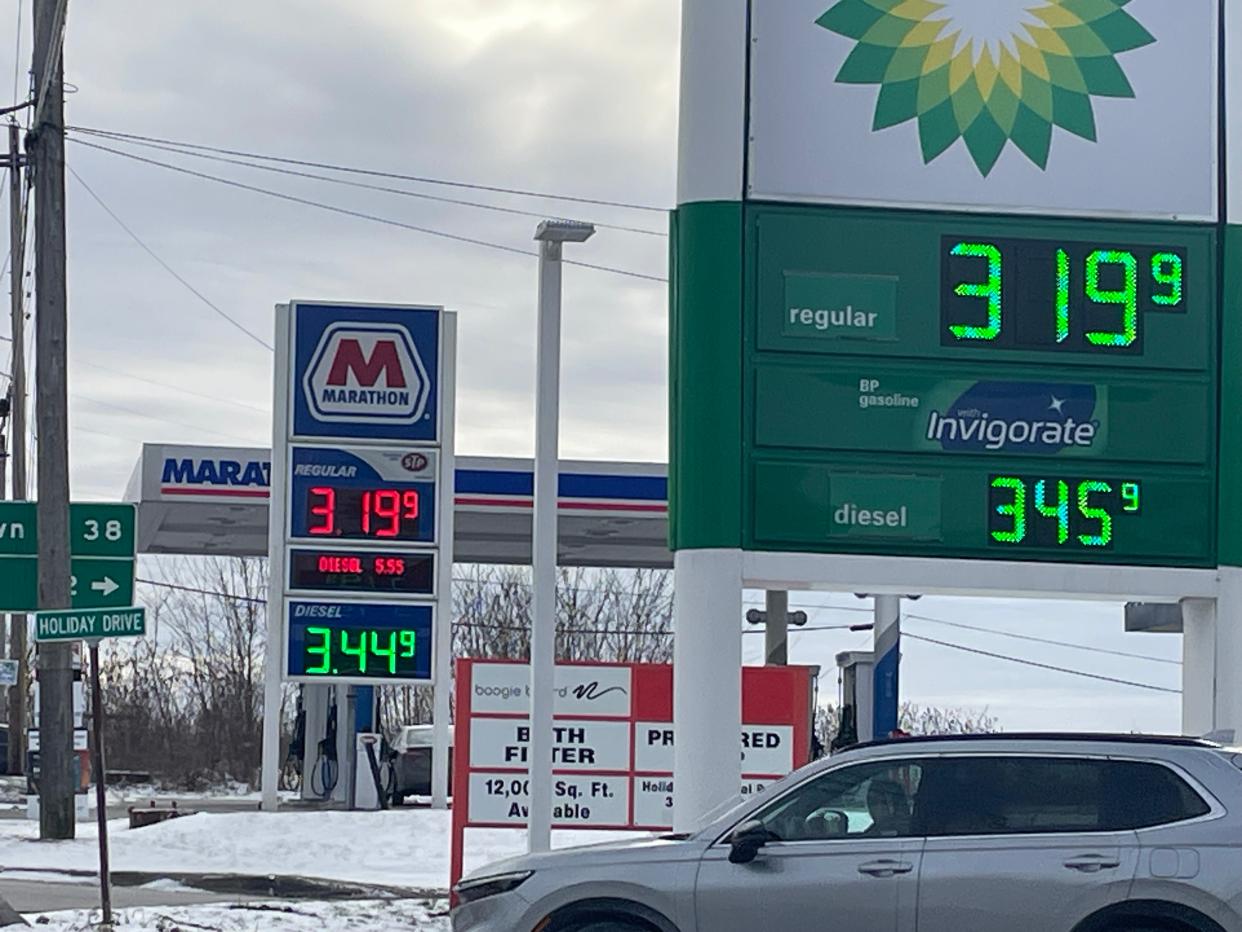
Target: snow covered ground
(388,916)
(398,848)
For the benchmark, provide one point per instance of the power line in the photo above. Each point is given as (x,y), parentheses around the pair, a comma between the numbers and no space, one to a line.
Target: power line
(403,192)
(361,215)
(155,417)
(167,268)
(176,388)
(1050,641)
(1043,666)
(353,170)
(17,51)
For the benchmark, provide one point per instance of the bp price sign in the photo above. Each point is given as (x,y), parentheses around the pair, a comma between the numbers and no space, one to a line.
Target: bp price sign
(938,304)
(995,398)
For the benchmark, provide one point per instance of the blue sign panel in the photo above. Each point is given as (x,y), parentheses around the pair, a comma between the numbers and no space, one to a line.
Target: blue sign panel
(381,495)
(360,640)
(370,373)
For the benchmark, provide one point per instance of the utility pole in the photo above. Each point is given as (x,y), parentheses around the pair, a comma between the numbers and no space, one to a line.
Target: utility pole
(45,147)
(17,423)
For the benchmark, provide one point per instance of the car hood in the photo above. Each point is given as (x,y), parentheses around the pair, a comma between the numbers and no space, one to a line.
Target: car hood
(628,850)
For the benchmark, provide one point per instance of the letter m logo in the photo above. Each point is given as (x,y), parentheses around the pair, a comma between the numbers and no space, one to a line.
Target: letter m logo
(366,373)
(349,359)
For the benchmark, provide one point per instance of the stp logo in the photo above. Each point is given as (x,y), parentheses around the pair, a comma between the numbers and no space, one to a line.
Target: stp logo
(363,373)
(415,462)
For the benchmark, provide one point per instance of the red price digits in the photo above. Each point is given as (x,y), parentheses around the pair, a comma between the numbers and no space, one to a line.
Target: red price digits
(323,506)
(389,566)
(384,509)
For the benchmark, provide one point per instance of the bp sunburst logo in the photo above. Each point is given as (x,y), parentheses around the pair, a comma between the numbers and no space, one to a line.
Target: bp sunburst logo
(990,72)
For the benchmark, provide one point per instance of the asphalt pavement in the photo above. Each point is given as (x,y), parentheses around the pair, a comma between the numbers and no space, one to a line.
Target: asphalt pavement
(29,896)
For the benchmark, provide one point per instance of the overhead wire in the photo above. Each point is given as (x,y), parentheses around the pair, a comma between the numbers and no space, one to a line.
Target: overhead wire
(215,399)
(17,51)
(395,176)
(155,417)
(1068,671)
(362,215)
(1042,666)
(384,189)
(168,268)
(1039,640)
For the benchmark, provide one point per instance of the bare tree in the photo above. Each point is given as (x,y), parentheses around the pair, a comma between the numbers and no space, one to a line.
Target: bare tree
(186,702)
(609,615)
(914,720)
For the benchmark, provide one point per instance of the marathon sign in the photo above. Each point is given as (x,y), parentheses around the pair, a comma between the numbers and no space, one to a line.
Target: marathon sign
(365,372)
(613,743)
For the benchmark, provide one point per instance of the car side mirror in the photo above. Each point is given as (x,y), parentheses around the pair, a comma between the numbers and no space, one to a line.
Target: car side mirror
(746,841)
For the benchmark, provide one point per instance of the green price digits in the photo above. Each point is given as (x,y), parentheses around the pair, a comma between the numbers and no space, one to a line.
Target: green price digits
(1044,295)
(1047,512)
(358,651)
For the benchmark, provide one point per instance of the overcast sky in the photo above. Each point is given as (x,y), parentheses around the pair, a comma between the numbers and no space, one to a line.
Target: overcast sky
(577,97)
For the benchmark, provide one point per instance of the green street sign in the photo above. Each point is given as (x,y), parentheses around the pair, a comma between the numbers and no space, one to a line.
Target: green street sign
(96,583)
(103,546)
(95,530)
(90,625)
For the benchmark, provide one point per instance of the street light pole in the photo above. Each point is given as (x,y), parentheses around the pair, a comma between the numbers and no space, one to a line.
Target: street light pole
(551,236)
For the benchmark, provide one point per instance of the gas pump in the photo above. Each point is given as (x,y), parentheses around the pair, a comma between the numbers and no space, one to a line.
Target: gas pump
(857,700)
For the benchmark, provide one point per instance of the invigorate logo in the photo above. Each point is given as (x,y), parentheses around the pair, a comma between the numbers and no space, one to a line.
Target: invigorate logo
(1022,418)
(990,72)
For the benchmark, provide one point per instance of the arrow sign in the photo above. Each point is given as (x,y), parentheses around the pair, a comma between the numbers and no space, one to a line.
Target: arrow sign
(105,587)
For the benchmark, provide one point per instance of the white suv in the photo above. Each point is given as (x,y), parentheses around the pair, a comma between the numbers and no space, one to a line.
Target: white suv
(996,833)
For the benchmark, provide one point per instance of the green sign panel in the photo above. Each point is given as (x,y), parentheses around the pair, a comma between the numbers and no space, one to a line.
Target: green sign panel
(103,544)
(90,624)
(936,385)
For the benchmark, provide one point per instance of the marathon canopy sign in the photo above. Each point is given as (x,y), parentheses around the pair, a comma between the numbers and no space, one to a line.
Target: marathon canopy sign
(365,372)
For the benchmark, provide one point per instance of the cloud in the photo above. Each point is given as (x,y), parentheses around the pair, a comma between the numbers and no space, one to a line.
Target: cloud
(555,95)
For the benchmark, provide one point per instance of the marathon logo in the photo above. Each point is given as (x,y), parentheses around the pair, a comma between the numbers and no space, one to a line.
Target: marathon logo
(189,476)
(367,374)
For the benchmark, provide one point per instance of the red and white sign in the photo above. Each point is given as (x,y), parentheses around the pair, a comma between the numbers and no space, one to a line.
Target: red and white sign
(367,373)
(613,743)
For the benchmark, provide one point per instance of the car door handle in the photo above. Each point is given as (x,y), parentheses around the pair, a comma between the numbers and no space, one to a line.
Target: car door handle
(1093,863)
(885,868)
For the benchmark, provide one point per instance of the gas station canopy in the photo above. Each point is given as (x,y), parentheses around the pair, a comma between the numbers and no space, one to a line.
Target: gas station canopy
(214,501)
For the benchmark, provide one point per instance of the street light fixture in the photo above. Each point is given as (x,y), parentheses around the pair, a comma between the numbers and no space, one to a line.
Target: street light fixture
(551,235)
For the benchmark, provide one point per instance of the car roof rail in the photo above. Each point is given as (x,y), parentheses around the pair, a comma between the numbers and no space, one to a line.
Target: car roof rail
(1048,736)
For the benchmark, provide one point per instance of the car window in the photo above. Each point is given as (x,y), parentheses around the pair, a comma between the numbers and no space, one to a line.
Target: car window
(864,801)
(1028,795)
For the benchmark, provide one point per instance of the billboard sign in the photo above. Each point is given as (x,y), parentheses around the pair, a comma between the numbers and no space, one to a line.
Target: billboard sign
(1007,106)
(613,743)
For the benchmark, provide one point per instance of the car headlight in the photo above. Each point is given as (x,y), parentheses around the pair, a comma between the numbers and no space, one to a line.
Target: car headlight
(470,891)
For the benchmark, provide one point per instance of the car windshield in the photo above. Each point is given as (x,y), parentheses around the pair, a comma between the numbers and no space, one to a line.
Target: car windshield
(732,809)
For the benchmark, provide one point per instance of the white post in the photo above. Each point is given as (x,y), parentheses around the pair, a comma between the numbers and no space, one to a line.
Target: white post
(551,236)
(274,654)
(776,629)
(707,682)
(1198,666)
(1228,702)
(443,687)
(887,689)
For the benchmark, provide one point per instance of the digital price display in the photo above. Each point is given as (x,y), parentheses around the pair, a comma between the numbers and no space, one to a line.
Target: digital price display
(1059,513)
(380,642)
(362,571)
(384,496)
(1047,295)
